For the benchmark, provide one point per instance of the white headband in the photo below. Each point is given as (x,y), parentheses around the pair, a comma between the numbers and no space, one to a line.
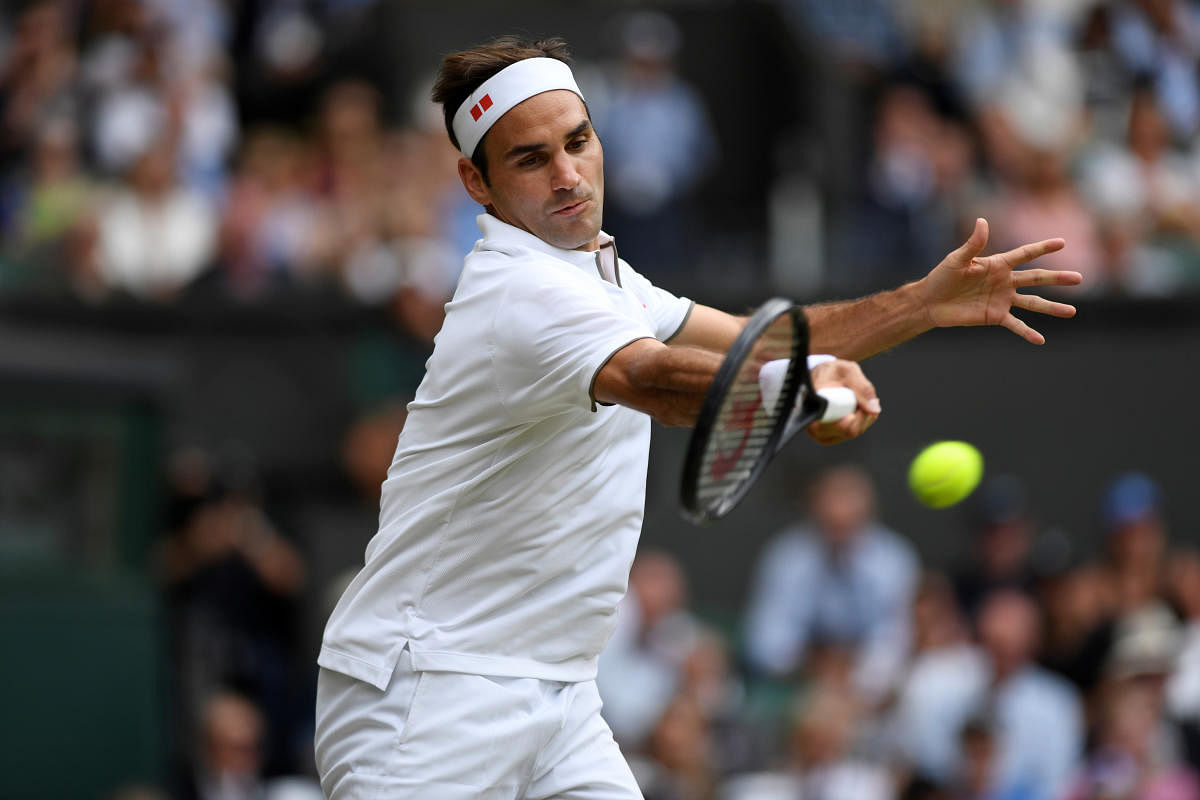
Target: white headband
(514,84)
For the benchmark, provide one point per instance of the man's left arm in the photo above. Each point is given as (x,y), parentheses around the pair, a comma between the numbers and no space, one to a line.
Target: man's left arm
(964,289)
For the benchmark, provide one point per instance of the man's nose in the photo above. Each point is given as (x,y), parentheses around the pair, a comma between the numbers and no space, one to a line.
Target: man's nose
(565,173)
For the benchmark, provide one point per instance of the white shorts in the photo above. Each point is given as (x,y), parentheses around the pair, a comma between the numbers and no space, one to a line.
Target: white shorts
(446,735)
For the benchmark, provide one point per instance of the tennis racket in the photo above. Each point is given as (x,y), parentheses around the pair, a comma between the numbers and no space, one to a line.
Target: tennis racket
(761,396)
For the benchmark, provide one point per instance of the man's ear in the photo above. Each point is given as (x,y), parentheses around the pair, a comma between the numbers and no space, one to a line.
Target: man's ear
(472,181)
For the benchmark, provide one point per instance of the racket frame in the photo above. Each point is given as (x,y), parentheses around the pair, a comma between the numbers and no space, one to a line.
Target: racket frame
(797,378)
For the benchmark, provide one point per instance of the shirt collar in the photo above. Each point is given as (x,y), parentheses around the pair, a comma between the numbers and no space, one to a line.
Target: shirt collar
(497,234)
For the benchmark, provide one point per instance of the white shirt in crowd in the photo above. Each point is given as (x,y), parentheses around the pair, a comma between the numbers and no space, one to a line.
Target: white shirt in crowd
(147,247)
(513,507)
(802,592)
(1037,718)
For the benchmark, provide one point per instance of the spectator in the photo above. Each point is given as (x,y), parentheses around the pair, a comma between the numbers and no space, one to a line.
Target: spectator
(1091,606)
(154,237)
(679,763)
(1147,194)
(1080,605)
(232,582)
(50,202)
(151,98)
(351,235)
(919,176)
(641,668)
(425,202)
(1037,717)
(658,145)
(976,778)
(994,44)
(842,577)
(1161,40)
(1183,689)
(1137,540)
(937,621)
(230,765)
(266,229)
(999,513)
(822,753)
(1128,762)
(824,759)
(37,78)
(1031,131)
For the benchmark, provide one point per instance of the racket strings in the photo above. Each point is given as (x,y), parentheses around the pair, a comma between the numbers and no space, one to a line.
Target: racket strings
(744,427)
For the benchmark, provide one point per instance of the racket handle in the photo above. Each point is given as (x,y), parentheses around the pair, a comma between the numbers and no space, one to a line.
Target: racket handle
(840,402)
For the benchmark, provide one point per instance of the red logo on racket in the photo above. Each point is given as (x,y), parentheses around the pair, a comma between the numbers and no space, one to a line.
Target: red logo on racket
(741,416)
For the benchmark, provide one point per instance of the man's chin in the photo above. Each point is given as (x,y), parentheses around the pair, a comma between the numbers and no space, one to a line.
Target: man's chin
(580,235)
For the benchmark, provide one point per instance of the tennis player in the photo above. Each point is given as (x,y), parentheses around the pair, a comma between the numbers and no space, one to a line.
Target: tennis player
(460,661)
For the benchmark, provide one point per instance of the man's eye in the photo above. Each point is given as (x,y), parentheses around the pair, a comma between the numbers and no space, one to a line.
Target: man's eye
(577,144)
(528,162)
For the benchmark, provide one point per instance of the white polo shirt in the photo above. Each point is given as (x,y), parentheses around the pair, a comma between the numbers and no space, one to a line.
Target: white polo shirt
(513,506)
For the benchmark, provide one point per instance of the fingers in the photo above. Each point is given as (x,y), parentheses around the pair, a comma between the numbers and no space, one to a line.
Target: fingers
(1028,252)
(1021,329)
(975,243)
(1031,302)
(846,428)
(1023,278)
(849,374)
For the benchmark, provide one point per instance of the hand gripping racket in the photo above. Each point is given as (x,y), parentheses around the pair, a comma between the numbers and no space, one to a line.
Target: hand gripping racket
(761,396)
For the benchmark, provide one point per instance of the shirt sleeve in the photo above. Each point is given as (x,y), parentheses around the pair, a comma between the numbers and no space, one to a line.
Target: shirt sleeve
(668,311)
(554,330)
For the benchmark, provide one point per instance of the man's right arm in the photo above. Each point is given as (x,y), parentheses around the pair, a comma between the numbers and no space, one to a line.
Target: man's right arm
(669,382)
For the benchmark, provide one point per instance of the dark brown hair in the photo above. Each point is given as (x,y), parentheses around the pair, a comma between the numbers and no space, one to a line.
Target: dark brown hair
(463,72)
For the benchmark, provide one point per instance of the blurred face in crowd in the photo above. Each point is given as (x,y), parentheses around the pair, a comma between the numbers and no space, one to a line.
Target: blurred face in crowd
(1008,630)
(935,614)
(1004,546)
(658,584)
(825,730)
(153,173)
(843,501)
(234,730)
(1184,579)
(679,740)
(1138,543)
(1130,717)
(1149,135)
(545,171)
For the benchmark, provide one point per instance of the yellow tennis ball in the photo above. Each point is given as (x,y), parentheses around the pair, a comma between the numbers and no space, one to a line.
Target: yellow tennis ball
(944,473)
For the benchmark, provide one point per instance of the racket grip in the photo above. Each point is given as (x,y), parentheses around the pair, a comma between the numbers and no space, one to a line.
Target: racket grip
(840,402)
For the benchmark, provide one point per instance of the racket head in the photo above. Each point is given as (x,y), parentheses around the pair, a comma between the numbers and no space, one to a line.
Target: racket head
(735,437)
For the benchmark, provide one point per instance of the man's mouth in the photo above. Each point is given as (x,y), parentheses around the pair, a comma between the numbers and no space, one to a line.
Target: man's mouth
(572,208)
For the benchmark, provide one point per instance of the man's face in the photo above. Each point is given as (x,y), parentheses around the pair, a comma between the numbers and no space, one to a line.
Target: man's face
(547,171)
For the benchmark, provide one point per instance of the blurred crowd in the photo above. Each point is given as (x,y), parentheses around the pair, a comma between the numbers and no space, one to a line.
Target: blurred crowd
(150,147)
(1027,672)
(1072,118)
(133,161)
(144,152)
(157,149)
(1036,667)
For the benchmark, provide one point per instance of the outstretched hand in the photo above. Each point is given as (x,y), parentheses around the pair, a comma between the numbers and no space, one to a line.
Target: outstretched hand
(969,289)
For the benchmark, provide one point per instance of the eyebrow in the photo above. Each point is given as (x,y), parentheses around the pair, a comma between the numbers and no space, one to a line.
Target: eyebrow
(522,149)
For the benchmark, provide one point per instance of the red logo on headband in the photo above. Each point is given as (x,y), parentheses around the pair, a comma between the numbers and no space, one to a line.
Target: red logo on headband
(483,105)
